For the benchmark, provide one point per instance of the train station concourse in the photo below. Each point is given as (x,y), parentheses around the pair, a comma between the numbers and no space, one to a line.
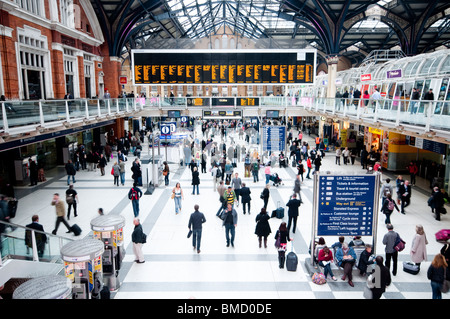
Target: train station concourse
(245,151)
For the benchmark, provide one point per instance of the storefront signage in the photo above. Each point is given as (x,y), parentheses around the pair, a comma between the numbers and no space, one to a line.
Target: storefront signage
(366,77)
(394,74)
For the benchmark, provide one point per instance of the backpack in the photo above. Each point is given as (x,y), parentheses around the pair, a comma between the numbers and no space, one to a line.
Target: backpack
(218,173)
(255,166)
(134,194)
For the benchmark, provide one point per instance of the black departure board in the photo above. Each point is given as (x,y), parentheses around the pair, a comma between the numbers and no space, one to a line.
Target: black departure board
(214,66)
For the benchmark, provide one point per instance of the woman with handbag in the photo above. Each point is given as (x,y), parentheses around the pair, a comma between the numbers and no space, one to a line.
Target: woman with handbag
(346,258)
(177,196)
(262,227)
(166,172)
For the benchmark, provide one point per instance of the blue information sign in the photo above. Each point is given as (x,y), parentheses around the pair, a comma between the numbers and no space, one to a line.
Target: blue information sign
(346,205)
(274,138)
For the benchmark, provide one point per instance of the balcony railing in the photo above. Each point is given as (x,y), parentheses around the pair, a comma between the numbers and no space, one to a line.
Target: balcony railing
(22,116)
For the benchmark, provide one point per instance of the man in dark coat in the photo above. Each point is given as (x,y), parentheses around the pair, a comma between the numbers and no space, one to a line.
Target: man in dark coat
(293,205)
(138,238)
(404,192)
(245,197)
(381,278)
(437,202)
(33,172)
(71,171)
(41,238)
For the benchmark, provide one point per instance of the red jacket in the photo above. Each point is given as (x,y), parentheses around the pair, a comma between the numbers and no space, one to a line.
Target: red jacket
(322,256)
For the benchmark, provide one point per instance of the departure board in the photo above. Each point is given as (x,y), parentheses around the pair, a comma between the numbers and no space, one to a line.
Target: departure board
(223,66)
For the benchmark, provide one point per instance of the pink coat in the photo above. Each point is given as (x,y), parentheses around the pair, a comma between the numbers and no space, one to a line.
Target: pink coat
(419,249)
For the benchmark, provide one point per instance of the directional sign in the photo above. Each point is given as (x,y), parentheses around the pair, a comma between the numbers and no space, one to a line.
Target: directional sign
(274,138)
(168,128)
(346,205)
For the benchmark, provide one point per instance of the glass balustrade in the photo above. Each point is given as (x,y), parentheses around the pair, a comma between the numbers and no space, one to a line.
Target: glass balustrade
(17,242)
(433,114)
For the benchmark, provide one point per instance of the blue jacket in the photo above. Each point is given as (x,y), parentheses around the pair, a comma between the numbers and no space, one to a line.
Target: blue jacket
(340,254)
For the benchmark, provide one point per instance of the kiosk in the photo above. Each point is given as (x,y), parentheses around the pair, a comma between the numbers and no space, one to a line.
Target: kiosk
(83,266)
(46,287)
(109,229)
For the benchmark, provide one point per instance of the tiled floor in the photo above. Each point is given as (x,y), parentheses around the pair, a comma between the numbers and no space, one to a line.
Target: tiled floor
(174,270)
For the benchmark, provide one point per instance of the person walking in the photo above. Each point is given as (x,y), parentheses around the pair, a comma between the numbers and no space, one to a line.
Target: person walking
(309,166)
(338,156)
(265,195)
(346,155)
(177,195)
(60,213)
(436,202)
(380,279)
(267,173)
(138,237)
(293,205)
(245,197)
(388,207)
(318,163)
(71,171)
(166,172)
(230,219)
(413,170)
(297,187)
(195,224)
(122,171)
(115,171)
(255,171)
(102,164)
(436,274)
(134,194)
(404,193)
(389,240)
(386,188)
(236,184)
(221,190)
(229,196)
(195,180)
(262,229)
(419,246)
(282,236)
(71,200)
(137,172)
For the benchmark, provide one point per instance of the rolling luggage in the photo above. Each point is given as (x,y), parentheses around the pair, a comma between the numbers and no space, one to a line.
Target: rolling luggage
(12,205)
(443,235)
(410,268)
(291,260)
(75,229)
(279,212)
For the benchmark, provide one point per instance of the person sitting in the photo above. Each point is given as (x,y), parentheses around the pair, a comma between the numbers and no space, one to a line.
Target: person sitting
(365,259)
(339,243)
(318,246)
(346,258)
(357,241)
(325,258)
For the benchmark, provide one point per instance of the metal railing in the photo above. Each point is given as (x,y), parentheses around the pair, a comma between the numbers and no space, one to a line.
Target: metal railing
(22,116)
(27,243)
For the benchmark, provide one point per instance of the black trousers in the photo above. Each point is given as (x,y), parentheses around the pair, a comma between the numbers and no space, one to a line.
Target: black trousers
(387,263)
(61,219)
(292,221)
(74,204)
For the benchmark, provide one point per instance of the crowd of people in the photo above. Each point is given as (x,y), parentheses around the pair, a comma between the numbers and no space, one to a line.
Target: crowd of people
(215,155)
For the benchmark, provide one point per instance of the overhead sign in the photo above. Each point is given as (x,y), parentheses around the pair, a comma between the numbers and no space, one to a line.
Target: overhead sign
(346,205)
(366,77)
(428,145)
(168,128)
(223,66)
(274,138)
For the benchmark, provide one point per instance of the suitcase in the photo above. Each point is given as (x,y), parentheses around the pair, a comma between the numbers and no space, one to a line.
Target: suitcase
(443,235)
(279,212)
(291,260)
(410,268)
(75,229)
